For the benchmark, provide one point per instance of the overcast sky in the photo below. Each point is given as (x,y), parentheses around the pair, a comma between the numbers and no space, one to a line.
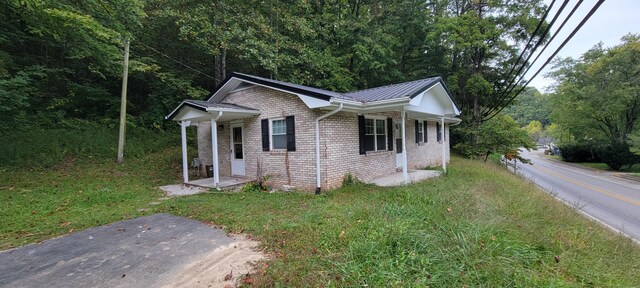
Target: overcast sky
(614,19)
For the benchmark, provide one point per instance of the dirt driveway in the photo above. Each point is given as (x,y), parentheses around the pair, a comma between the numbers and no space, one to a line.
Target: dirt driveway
(160,250)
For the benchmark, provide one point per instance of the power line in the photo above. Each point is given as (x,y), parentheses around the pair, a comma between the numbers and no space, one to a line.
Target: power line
(552,37)
(535,32)
(174,60)
(104,6)
(518,76)
(575,30)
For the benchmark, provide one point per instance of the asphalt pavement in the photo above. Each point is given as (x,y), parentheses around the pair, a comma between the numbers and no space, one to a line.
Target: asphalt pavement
(603,196)
(141,252)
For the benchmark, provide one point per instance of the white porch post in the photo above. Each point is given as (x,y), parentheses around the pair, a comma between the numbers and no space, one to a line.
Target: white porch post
(405,172)
(444,153)
(214,149)
(185,163)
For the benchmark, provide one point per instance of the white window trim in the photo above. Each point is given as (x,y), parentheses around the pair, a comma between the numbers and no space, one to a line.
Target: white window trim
(271,133)
(375,135)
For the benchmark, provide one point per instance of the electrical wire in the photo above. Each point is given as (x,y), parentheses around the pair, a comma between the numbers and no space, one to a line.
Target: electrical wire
(575,30)
(518,76)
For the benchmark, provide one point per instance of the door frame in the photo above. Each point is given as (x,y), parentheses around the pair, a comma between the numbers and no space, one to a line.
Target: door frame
(233,152)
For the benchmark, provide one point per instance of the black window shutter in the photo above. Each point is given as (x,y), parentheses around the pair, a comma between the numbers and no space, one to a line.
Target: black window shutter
(361,131)
(265,134)
(390,134)
(291,133)
(426,136)
(417,131)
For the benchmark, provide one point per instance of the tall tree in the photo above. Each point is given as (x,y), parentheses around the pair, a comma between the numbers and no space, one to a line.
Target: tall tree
(599,93)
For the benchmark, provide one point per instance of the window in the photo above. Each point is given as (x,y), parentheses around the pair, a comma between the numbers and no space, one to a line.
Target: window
(375,134)
(439,132)
(420,132)
(278,134)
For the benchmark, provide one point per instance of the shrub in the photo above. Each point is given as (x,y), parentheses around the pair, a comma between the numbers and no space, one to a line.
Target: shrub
(617,155)
(579,152)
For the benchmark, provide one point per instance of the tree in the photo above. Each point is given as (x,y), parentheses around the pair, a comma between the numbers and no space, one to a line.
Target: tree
(534,130)
(530,105)
(598,95)
(499,135)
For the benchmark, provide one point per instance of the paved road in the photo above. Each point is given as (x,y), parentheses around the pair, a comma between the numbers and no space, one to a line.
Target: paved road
(141,252)
(612,200)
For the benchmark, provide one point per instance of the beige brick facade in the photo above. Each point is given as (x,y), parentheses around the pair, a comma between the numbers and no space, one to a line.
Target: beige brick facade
(338,141)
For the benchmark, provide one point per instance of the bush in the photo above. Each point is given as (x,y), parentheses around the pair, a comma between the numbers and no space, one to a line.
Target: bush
(617,155)
(579,152)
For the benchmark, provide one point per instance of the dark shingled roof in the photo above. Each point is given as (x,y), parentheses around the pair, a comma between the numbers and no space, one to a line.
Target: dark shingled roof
(206,104)
(296,88)
(407,89)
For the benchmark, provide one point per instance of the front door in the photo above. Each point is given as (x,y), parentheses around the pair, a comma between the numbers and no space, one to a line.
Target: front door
(237,150)
(398,133)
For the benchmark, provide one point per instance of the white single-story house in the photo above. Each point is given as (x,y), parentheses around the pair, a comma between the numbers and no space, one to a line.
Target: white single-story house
(311,138)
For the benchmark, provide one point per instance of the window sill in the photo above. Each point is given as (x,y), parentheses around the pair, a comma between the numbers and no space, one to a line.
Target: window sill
(380,152)
(277,152)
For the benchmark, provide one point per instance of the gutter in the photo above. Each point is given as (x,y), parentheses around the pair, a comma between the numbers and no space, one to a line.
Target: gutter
(318,182)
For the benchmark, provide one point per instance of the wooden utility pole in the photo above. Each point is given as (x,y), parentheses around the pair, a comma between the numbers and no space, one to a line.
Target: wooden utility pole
(123,104)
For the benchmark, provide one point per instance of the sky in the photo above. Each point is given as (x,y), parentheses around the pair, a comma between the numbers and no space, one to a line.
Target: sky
(614,19)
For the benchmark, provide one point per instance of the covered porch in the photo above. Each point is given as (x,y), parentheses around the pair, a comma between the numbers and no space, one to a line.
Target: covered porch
(192,111)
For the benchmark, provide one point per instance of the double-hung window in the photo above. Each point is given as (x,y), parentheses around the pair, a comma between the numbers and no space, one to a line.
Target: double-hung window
(278,134)
(420,132)
(375,134)
(439,132)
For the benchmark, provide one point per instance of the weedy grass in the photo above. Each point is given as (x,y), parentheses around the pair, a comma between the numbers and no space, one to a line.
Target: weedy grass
(478,226)
(78,187)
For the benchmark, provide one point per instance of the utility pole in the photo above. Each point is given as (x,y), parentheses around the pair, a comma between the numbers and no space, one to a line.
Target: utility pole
(123,103)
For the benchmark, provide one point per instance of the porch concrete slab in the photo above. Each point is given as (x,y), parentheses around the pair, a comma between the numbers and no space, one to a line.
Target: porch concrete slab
(396,179)
(181,190)
(225,182)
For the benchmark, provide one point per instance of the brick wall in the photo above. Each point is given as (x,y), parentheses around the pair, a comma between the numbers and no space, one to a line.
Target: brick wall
(339,144)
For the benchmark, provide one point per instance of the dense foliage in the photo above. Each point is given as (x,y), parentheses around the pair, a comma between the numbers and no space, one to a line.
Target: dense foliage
(598,99)
(530,105)
(62,59)
(500,135)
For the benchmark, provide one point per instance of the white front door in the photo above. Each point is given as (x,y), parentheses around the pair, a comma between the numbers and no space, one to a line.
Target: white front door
(398,133)
(237,150)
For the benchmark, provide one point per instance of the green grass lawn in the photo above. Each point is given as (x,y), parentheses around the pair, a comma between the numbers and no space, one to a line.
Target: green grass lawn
(478,226)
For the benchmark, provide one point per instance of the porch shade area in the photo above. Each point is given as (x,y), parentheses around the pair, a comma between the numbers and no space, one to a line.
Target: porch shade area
(202,111)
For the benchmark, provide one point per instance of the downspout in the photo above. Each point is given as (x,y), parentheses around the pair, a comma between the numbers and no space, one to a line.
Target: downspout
(214,149)
(318,182)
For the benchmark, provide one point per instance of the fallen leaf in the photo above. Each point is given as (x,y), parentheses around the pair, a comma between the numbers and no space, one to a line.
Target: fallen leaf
(248,279)
(228,276)
(557,258)
(493,238)
(65,224)
(341,234)
(449,210)
(228,286)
